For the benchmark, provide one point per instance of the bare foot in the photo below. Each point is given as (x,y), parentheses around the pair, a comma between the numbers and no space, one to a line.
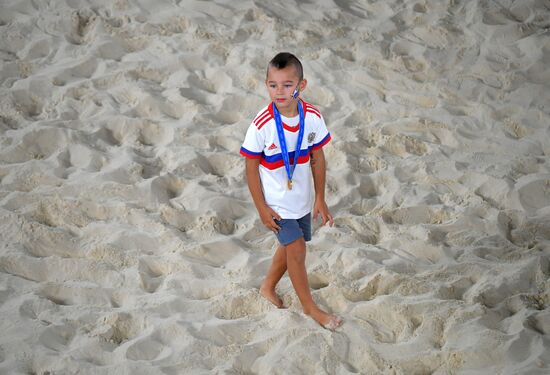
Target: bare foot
(328,321)
(271,296)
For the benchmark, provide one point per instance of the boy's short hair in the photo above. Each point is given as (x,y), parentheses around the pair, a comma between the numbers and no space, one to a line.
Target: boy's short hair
(284,59)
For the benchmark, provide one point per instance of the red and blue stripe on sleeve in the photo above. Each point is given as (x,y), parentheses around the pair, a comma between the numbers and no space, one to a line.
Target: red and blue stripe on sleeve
(323,142)
(250,154)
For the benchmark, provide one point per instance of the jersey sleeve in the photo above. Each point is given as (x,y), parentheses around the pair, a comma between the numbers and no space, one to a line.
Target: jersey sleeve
(322,136)
(253,145)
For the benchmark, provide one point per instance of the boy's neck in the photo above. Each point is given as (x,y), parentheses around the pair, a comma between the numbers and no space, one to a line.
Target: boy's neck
(289,112)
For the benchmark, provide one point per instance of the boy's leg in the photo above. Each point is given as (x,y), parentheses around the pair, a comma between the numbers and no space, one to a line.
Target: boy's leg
(275,273)
(295,259)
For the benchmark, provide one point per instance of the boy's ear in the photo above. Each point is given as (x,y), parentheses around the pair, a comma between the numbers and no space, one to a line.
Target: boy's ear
(303,85)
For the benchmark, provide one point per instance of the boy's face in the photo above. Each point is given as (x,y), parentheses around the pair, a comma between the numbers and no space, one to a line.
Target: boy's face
(280,85)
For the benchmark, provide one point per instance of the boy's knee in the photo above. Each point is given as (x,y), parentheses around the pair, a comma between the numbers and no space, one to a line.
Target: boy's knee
(296,250)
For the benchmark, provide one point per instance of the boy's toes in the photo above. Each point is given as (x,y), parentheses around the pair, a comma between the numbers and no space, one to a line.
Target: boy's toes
(333,323)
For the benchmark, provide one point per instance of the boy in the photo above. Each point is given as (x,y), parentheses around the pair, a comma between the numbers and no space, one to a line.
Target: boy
(278,146)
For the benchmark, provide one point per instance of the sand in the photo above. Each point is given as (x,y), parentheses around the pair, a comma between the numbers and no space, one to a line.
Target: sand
(130,244)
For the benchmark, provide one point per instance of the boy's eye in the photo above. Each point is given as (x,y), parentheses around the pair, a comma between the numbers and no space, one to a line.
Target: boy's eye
(286,86)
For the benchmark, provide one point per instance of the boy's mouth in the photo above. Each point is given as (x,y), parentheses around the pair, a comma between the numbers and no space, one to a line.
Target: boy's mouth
(280,100)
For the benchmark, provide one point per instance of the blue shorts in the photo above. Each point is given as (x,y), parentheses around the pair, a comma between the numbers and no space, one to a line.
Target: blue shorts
(293,229)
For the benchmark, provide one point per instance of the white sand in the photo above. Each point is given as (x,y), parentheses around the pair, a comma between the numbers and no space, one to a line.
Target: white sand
(130,245)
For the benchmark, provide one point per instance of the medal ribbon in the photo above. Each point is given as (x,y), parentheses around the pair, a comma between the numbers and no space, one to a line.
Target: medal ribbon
(282,140)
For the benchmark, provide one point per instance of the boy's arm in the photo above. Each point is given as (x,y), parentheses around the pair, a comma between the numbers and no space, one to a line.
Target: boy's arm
(318,168)
(267,214)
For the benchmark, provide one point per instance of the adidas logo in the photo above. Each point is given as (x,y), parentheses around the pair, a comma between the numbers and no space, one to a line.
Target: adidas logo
(272,147)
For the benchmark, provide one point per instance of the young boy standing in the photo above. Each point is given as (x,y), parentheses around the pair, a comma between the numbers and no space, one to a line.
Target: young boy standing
(278,146)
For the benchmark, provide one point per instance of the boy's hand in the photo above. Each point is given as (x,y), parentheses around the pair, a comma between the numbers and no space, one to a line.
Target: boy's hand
(267,215)
(320,207)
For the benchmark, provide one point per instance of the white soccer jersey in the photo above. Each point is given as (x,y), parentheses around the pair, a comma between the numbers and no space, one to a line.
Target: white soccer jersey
(262,142)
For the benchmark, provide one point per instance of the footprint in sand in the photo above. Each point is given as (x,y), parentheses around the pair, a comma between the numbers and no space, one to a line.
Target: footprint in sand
(402,145)
(415,215)
(83,22)
(532,194)
(27,104)
(151,275)
(83,69)
(36,144)
(119,327)
(58,337)
(75,295)
(389,322)
(148,349)
(363,228)
(167,187)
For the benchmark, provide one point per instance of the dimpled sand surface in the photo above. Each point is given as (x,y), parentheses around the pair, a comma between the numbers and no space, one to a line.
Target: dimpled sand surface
(129,243)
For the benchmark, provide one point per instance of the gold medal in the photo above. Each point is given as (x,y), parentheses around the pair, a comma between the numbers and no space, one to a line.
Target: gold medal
(289,184)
